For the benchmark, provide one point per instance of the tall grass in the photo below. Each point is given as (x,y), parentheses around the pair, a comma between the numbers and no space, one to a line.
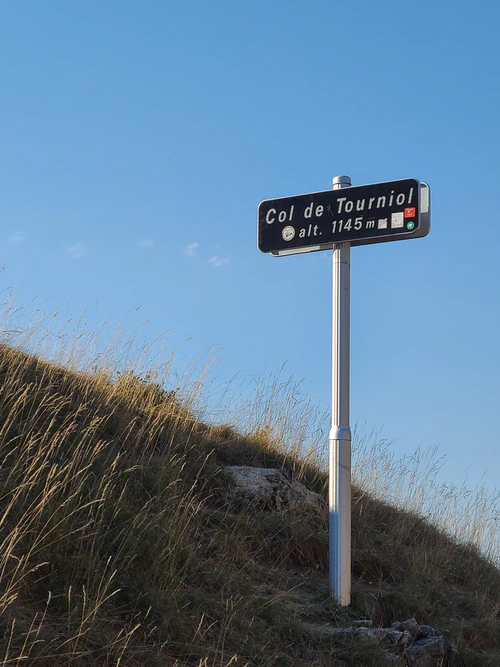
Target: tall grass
(94,498)
(415,484)
(270,407)
(116,546)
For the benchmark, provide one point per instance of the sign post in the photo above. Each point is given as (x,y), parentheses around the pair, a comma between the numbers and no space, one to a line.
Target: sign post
(339,494)
(338,219)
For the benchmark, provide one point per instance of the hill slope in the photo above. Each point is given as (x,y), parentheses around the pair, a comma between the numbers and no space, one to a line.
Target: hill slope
(119,545)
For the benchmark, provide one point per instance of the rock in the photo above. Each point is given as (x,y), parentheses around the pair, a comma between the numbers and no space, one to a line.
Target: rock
(427,631)
(410,626)
(269,488)
(428,652)
(406,643)
(384,637)
(406,639)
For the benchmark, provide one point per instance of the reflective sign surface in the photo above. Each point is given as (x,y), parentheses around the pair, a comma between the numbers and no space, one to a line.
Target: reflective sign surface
(363,214)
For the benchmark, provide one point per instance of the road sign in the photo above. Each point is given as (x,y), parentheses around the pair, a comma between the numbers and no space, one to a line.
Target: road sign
(337,219)
(360,215)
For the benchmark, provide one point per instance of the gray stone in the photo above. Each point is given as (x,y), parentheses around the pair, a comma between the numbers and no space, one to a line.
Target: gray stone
(410,626)
(428,652)
(427,631)
(384,637)
(405,644)
(406,639)
(271,489)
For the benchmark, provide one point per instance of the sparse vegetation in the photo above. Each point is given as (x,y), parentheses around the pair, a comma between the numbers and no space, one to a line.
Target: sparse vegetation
(118,546)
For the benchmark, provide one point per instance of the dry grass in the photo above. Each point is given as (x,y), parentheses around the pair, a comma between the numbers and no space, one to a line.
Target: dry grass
(118,546)
(415,484)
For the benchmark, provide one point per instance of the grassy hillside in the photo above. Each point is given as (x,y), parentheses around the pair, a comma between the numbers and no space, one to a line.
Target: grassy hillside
(119,546)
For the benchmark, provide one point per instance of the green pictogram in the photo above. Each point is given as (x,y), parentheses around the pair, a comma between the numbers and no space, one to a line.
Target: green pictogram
(410,225)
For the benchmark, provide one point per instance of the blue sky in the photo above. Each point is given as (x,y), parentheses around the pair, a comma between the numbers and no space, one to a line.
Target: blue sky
(139,137)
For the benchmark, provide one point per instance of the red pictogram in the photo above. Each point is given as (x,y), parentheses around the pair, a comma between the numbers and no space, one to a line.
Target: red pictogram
(410,212)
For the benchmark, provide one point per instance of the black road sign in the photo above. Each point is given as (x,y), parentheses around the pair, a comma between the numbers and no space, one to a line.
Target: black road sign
(363,214)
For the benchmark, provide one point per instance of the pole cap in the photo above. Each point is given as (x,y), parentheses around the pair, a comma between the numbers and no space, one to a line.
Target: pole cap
(339,182)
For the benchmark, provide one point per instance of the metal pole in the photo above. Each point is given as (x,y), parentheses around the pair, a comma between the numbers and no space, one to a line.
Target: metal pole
(340,434)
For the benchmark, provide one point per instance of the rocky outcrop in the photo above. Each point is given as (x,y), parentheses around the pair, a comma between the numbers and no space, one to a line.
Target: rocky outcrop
(407,644)
(270,489)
